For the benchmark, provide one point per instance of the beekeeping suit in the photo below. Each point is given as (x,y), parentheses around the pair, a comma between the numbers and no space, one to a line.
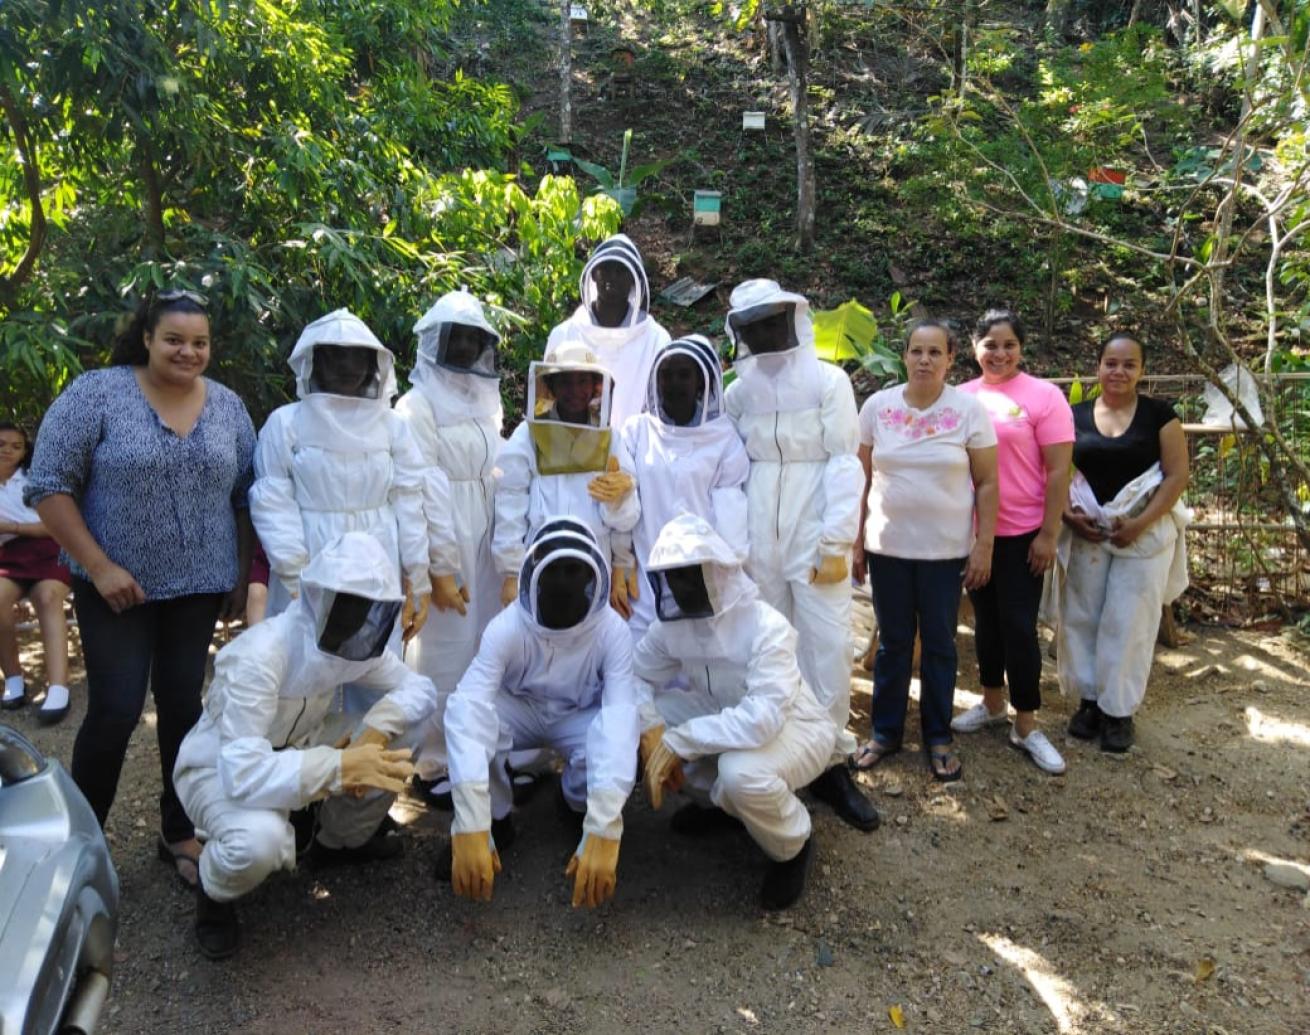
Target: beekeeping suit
(687,457)
(264,745)
(554,456)
(742,720)
(798,419)
(627,348)
(554,671)
(340,460)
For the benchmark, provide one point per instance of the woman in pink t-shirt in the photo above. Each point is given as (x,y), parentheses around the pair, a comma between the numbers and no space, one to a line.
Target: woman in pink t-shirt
(1034,433)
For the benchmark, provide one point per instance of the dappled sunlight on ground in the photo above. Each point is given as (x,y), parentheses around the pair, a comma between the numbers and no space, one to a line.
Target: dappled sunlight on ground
(1070,1012)
(1272,730)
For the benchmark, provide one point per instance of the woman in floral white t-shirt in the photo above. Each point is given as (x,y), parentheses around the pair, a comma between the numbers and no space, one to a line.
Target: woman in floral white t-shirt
(929,456)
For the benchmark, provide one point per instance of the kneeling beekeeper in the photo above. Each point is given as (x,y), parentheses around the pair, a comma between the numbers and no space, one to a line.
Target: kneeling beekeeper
(260,749)
(554,670)
(727,715)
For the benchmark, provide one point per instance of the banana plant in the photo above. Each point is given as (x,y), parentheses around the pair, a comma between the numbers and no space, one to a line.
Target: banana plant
(622,188)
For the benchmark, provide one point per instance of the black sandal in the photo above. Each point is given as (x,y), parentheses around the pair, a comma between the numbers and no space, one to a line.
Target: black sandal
(939,765)
(872,754)
(175,857)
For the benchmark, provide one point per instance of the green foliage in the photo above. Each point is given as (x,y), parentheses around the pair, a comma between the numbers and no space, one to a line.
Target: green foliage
(285,157)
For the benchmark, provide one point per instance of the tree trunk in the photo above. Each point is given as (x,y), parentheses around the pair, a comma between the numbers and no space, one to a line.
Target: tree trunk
(1135,13)
(791,20)
(152,200)
(960,46)
(32,184)
(565,74)
(1057,16)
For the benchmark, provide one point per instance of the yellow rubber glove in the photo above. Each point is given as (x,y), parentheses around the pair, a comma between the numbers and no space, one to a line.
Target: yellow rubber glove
(594,869)
(646,745)
(663,769)
(448,595)
(611,486)
(413,613)
(623,588)
(509,590)
(368,735)
(372,766)
(832,568)
(475,864)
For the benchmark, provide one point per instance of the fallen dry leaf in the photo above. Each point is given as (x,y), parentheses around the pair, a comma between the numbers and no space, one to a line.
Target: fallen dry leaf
(1164,772)
(997,810)
(1204,969)
(897,1016)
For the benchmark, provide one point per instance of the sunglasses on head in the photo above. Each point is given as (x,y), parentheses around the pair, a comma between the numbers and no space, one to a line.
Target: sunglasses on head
(178,294)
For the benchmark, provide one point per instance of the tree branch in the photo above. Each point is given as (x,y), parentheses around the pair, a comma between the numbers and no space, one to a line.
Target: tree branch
(32,184)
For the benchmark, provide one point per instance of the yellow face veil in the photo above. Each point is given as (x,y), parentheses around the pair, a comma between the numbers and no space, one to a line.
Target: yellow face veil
(568,414)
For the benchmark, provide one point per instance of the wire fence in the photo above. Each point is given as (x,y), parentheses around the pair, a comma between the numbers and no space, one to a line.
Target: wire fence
(1246,560)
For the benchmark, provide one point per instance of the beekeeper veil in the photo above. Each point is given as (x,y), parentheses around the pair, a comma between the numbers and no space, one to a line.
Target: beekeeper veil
(694,573)
(456,369)
(615,266)
(569,410)
(773,348)
(345,380)
(564,579)
(352,597)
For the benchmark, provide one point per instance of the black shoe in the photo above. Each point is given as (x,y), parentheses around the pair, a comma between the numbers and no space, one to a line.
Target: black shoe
(785,881)
(1085,723)
(217,932)
(502,833)
(50,716)
(378,848)
(1116,734)
(694,820)
(836,788)
(569,816)
(436,793)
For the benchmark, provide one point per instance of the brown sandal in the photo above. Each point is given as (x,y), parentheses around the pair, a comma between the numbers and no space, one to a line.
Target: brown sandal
(872,754)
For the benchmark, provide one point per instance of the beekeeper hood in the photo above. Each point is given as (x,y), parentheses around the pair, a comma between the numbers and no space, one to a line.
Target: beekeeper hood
(625,267)
(456,369)
(351,597)
(564,580)
(773,348)
(695,574)
(345,379)
(569,410)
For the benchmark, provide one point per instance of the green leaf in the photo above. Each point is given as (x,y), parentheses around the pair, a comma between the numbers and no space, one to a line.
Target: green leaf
(844,332)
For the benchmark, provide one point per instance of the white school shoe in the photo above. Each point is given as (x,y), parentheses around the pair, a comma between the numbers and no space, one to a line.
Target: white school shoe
(1040,750)
(975,718)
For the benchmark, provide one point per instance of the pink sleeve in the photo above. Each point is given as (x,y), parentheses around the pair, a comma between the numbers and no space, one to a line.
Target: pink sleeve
(1056,424)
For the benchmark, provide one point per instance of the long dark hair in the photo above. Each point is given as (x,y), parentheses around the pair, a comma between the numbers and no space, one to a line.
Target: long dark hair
(9,425)
(992,317)
(130,345)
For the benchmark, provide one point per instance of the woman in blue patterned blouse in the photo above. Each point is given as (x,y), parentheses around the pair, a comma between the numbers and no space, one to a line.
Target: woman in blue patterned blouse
(141,472)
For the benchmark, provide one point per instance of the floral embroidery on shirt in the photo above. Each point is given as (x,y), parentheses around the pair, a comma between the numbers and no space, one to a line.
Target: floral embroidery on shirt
(915,426)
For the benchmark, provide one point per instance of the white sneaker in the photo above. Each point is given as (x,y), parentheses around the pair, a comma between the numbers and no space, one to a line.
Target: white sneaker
(1040,750)
(976,718)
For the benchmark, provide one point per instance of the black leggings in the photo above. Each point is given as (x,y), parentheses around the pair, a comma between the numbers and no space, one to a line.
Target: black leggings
(163,644)
(1005,623)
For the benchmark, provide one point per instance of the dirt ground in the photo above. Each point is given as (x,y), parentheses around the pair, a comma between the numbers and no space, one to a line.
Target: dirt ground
(1127,896)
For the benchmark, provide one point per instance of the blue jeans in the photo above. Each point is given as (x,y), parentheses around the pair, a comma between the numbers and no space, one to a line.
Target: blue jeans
(910,595)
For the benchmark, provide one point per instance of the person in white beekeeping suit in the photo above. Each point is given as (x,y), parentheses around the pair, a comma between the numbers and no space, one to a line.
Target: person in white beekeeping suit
(564,458)
(454,415)
(687,459)
(554,671)
(727,715)
(614,322)
(797,417)
(340,460)
(264,745)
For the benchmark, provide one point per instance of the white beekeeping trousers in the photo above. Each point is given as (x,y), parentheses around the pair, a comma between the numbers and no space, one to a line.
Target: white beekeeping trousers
(1109,617)
(758,785)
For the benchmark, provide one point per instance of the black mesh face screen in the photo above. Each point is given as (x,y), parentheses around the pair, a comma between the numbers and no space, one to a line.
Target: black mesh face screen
(356,628)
